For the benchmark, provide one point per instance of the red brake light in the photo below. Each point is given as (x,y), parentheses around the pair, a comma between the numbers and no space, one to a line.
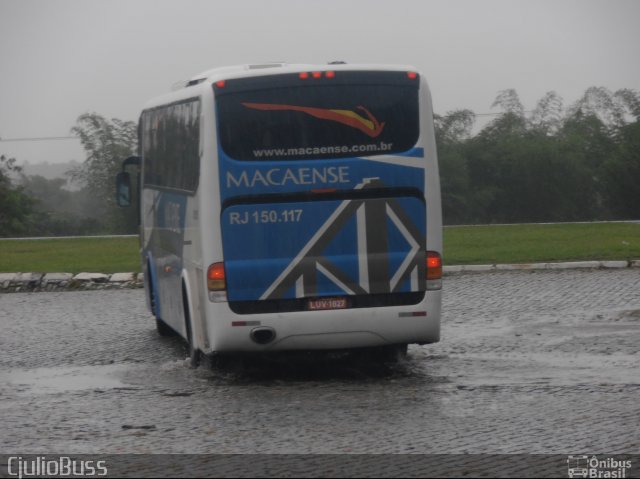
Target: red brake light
(216,280)
(330,74)
(316,74)
(304,75)
(412,75)
(434,265)
(220,83)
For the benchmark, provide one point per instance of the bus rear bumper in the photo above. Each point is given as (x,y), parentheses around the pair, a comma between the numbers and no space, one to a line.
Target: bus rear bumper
(324,330)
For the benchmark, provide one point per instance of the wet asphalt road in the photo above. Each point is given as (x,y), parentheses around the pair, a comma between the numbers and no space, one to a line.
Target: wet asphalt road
(530,362)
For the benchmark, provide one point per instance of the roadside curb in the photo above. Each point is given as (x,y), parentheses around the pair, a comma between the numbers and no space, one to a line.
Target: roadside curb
(485,268)
(39,282)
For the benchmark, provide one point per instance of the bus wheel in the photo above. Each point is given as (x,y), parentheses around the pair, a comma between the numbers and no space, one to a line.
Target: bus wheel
(194,352)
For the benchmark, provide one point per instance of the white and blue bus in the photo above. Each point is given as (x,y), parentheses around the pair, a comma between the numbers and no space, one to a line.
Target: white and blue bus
(292,207)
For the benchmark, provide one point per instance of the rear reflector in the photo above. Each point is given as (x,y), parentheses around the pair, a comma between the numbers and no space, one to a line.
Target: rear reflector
(324,190)
(414,314)
(245,323)
(216,278)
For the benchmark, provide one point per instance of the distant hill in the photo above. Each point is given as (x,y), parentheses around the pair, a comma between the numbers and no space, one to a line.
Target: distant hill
(48,170)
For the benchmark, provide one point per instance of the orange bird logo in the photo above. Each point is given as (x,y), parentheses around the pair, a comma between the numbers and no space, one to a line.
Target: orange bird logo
(370,126)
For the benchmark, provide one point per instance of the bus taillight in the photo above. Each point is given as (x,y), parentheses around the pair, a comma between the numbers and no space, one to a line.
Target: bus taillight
(434,270)
(216,278)
(412,75)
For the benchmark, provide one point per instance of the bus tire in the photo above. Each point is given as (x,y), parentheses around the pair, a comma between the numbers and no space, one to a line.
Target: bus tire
(194,352)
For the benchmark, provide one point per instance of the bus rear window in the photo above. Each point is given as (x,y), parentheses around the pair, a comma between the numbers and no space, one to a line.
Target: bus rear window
(287,118)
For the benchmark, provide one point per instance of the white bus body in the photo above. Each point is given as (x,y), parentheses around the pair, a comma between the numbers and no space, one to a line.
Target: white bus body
(291,207)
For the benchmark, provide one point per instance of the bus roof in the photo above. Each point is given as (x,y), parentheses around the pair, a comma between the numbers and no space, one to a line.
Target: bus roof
(240,71)
(182,88)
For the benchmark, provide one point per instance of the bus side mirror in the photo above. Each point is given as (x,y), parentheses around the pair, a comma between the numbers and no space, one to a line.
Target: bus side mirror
(123,189)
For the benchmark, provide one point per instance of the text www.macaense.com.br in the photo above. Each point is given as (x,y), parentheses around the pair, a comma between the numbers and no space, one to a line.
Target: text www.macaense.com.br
(321,150)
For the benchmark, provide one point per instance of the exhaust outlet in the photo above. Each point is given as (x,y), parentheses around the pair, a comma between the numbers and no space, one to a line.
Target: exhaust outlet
(263,335)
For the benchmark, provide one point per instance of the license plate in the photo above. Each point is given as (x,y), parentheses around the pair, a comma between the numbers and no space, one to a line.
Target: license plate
(321,304)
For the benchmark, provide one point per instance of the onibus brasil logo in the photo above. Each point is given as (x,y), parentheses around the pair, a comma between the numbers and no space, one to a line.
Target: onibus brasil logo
(585,466)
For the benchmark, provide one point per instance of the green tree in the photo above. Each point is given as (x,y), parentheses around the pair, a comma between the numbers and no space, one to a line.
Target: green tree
(521,170)
(16,207)
(512,121)
(490,160)
(454,127)
(553,164)
(49,194)
(452,132)
(58,211)
(548,114)
(510,102)
(613,109)
(107,143)
(621,174)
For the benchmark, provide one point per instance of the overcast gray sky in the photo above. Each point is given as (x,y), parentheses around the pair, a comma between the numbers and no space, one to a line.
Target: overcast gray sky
(62,58)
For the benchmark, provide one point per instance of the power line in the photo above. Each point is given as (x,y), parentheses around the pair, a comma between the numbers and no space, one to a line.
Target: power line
(488,114)
(498,113)
(41,138)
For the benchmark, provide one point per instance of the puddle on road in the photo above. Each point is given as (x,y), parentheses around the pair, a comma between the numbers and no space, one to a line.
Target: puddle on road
(313,367)
(531,369)
(64,379)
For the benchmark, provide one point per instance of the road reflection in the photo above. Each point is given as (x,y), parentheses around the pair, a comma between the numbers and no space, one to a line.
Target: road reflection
(294,367)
